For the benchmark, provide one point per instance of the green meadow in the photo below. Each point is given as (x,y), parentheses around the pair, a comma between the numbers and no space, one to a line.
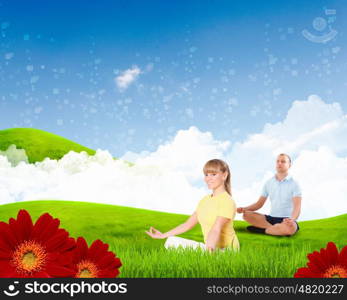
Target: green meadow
(123,228)
(39,144)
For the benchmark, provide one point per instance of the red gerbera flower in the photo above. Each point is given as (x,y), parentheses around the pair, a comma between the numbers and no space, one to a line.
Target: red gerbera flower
(95,261)
(39,251)
(327,263)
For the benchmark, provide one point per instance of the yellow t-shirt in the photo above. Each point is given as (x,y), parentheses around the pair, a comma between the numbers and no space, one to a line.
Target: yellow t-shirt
(222,205)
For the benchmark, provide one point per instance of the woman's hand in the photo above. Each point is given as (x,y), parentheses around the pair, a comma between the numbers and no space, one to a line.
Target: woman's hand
(211,248)
(155,234)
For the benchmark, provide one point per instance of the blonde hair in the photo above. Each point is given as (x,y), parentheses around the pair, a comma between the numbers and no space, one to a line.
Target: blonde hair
(216,165)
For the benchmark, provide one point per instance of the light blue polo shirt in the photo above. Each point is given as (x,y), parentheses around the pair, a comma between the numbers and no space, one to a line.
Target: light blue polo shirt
(281,195)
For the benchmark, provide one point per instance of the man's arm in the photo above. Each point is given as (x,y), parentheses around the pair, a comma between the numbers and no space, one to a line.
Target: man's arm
(295,213)
(296,207)
(253,207)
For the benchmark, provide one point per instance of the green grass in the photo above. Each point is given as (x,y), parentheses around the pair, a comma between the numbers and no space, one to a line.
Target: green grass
(123,229)
(39,144)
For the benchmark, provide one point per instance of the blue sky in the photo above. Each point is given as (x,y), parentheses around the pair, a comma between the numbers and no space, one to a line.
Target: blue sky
(227,67)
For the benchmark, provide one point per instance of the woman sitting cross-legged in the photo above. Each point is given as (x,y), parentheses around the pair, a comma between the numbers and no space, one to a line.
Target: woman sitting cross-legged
(215,213)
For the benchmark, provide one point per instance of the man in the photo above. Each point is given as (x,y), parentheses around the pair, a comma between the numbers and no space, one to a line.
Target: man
(285,197)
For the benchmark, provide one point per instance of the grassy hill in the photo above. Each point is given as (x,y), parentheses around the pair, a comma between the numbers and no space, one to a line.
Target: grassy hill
(39,144)
(123,228)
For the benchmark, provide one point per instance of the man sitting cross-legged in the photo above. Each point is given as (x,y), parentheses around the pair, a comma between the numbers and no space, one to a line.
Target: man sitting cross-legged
(285,196)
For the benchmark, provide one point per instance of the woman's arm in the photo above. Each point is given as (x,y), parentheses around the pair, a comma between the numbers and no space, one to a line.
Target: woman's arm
(189,224)
(214,234)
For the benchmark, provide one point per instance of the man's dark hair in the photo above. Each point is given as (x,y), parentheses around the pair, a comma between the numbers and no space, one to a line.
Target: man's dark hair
(283,154)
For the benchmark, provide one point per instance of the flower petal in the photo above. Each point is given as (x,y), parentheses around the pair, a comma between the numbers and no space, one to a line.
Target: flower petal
(106,260)
(26,223)
(332,254)
(81,251)
(306,273)
(317,262)
(97,249)
(57,240)
(42,274)
(8,240)
(45,227)
(41,224)
(343,257)
(15,230)
(5,254)
(50,230)
(108,273)
(7,270)
(59,271)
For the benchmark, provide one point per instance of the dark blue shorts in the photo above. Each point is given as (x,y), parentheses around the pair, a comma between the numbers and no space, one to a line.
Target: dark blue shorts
(276,220)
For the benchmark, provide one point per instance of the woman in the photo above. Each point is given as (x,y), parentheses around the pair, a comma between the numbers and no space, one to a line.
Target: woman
(215,213)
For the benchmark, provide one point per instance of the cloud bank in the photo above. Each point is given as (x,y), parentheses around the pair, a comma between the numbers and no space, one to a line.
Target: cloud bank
(97,178)
(170,178)
(313,134)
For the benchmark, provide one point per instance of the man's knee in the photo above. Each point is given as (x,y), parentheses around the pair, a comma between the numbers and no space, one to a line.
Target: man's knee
(289,229)
(281,229)
(247,215)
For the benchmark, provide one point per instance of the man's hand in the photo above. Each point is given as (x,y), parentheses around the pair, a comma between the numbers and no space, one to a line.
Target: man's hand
(288,221)
(240,210)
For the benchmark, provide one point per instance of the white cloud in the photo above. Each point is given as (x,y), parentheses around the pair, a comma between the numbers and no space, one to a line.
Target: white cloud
(127,77)
(98,178)
(307,126)
(324,179)
(186,153)
(170,178)
(303,117)
(14,155)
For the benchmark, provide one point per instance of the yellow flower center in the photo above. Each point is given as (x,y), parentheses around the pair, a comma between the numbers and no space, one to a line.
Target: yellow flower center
(336,272)
(29,260)
(29,257)
(87,269)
